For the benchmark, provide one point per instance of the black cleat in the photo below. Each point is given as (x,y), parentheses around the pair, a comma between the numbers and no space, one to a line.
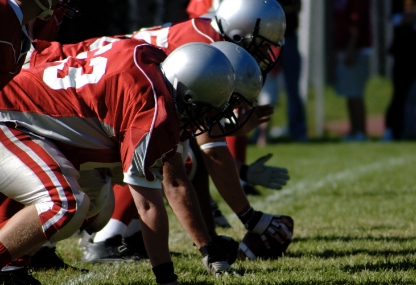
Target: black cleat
(21,276)
(135,243)
(47,258)
(110,250)
(219,219)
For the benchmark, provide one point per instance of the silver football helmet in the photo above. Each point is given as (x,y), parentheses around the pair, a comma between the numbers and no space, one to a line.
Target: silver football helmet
(248,82)
(257,25)
(248,77)
(202,80)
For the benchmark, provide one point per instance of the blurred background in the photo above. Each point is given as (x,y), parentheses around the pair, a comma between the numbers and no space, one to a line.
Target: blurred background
(326,113)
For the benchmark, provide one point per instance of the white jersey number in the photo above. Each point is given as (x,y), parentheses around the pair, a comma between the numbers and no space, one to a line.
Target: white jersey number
(76,78)
(156,36)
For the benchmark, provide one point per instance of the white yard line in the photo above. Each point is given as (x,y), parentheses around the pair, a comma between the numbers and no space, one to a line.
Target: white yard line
(301,187)
(82,279)
(307,186)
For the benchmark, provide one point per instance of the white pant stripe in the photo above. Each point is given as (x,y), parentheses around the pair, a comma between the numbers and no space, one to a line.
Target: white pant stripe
(40,162)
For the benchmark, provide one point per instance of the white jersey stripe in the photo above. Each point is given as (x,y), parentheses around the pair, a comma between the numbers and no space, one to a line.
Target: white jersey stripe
(201,33)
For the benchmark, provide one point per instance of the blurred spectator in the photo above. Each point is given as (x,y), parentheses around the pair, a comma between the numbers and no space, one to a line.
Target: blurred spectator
(404,73)
(290,65)
(353,41)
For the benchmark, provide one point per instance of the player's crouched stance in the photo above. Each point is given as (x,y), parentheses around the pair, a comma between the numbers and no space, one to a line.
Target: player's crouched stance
(123,104)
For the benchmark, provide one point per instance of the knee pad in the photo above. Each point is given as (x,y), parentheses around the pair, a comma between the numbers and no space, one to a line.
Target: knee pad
(98,190)
(103,217)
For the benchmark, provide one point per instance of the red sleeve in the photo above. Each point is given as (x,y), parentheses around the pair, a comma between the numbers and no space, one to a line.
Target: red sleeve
(46,30)
(197,8)
(46,52)
(194,30)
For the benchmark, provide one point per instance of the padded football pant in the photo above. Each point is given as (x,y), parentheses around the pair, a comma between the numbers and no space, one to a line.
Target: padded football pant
(34,172)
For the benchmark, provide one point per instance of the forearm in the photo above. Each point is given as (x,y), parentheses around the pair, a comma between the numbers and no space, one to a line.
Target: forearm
(154,223)
(238,165)
(223,171)
(184,204)
(183,201)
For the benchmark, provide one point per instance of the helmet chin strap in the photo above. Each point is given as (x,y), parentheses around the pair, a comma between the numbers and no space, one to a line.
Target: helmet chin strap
(47,12)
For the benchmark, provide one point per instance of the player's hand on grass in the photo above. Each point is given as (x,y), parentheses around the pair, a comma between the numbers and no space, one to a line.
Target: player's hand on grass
(218,255)
(268,176)
(267,226)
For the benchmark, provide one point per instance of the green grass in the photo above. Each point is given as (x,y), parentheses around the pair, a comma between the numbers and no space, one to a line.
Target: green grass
(353,206)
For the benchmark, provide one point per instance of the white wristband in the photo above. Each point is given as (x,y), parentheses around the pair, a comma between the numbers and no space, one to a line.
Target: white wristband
(263,224)
(212,145)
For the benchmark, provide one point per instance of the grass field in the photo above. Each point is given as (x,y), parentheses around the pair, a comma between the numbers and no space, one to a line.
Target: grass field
(354,211)
(353,206)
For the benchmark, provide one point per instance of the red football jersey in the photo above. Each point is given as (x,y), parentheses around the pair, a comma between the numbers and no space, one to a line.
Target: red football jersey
(14,41)
(108,107)
(53,51)
(169,37)
(197,8)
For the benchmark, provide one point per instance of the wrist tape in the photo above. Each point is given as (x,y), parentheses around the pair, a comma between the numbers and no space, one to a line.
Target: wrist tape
(246,216)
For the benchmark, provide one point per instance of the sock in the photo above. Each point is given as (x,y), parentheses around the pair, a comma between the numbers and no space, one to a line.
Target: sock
(5,256)
(49,244)
(113,228)
(132,228)
(10,268)
(19,262)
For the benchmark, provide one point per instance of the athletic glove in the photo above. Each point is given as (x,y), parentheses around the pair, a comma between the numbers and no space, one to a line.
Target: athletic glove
(267,226)
(219,254)
(268,176)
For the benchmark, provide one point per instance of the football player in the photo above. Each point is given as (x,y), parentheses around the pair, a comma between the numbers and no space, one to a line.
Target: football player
(261,27)
(237,143)
(125,103)
(256,36)
(18,17)
(257,26)
(25,20)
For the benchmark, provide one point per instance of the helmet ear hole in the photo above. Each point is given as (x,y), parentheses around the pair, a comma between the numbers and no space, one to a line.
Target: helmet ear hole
(237,38)
(188,98)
